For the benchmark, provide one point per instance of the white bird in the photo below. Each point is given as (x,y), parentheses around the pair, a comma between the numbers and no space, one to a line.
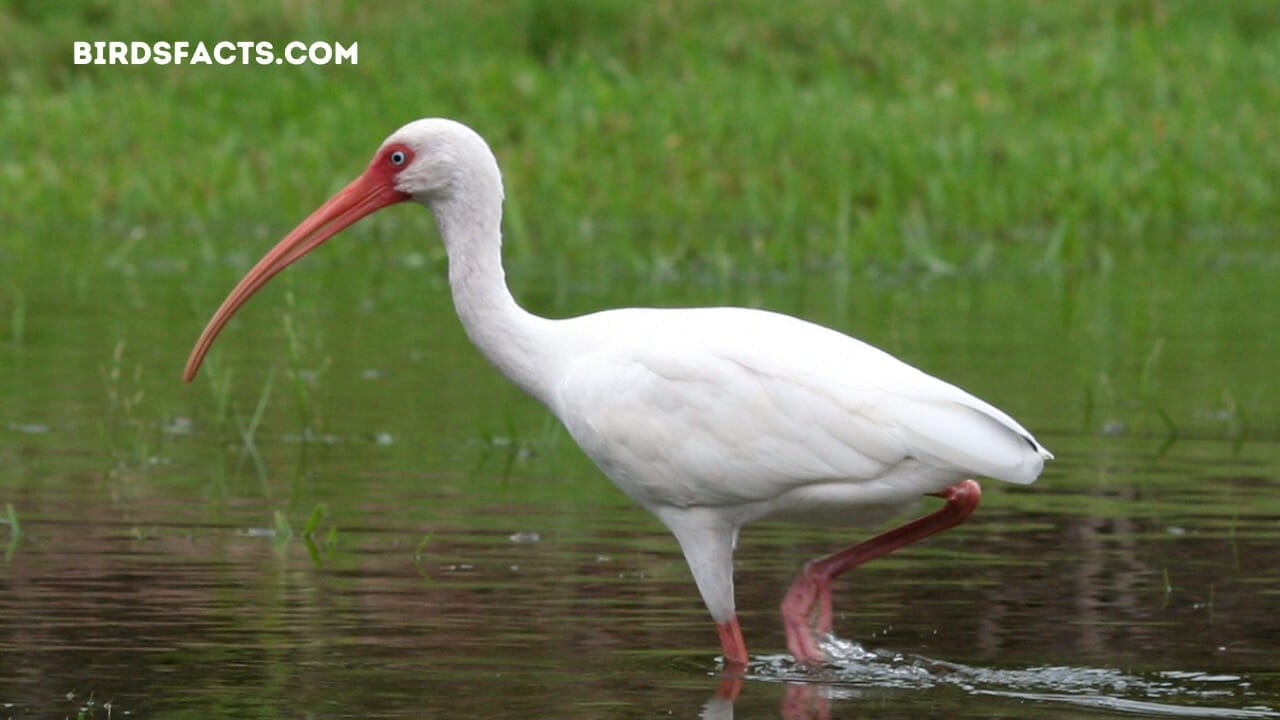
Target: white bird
(710,418)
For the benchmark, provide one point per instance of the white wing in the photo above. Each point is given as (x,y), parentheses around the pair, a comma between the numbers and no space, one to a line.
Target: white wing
(724,406)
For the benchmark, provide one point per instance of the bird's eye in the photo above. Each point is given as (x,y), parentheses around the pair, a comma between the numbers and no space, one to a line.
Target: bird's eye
(397,158)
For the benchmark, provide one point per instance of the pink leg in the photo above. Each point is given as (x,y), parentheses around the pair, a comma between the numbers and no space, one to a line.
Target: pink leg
(735,650)
(813,586)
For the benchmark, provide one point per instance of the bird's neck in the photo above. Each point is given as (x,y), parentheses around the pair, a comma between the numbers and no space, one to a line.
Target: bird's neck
(513,339)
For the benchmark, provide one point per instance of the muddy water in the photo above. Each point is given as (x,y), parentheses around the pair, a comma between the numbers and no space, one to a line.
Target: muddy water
(365,521)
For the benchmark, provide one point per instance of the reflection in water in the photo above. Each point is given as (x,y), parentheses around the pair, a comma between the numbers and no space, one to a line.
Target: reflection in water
(537,610)
(521,613)
(800,701)
(482,568)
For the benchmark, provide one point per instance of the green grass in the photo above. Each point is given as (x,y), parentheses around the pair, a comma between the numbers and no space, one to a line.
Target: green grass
(1066,168)
(939,136)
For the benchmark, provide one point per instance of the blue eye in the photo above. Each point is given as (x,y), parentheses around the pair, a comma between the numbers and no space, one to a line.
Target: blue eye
(397,158)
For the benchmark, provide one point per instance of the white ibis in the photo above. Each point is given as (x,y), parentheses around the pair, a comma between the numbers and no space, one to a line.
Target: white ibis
(710,418)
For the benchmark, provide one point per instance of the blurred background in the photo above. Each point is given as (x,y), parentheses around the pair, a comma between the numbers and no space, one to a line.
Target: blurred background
(1066,208)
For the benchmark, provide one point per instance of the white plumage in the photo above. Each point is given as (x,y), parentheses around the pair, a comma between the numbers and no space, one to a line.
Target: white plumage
(710,418)
(731,406)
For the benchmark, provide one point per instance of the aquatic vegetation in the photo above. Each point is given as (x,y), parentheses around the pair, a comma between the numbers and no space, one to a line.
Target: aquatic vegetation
(283,530)
(312,538)
(302,348)
(15,530)
(11,519)
(249,431)
(320,545)
(131,432)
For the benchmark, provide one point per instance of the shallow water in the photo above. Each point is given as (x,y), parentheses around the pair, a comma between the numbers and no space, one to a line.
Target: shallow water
(398,533)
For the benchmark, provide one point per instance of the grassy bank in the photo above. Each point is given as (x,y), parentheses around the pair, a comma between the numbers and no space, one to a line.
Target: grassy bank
(784,153)
(938,135)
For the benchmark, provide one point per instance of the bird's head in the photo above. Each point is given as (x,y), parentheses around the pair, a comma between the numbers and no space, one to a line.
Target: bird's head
(429,160)
(434,159)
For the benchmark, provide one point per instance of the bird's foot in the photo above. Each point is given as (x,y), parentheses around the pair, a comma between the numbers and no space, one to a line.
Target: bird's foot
(806,610)
(806,616)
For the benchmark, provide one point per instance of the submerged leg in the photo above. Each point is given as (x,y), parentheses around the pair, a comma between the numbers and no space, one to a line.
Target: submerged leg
(813,586)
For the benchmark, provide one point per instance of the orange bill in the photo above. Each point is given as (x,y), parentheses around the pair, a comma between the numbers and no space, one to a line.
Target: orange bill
(366,194)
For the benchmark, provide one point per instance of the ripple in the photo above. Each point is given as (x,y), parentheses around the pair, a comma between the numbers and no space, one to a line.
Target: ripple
(854,668)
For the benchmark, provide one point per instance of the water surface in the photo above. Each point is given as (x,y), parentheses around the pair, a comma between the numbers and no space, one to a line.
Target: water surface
(364,520)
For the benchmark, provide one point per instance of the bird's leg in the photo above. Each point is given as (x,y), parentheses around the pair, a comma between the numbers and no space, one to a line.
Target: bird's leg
(708,547)
(735,650)
(797,610)
(813,585)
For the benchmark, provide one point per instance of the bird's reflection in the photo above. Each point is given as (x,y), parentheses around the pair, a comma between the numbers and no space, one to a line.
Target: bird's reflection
(800,701)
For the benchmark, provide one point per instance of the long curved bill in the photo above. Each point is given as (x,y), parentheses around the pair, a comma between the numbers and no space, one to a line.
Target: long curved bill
(366,194)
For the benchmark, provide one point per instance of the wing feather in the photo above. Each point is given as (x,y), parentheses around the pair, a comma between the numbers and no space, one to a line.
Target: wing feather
(731,406)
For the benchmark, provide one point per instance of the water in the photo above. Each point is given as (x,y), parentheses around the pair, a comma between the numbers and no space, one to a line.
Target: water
(400,534)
